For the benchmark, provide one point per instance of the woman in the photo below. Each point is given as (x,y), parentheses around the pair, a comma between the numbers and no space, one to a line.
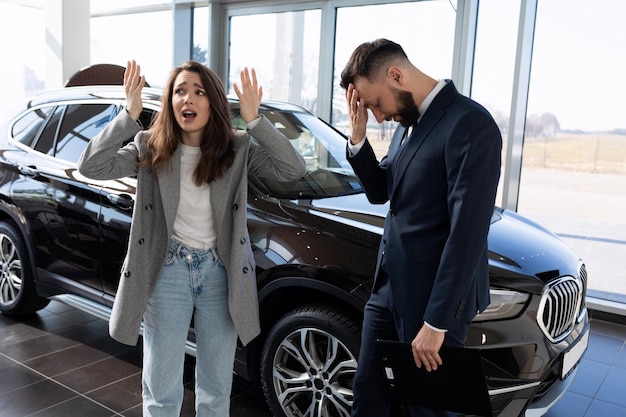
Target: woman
(189,253)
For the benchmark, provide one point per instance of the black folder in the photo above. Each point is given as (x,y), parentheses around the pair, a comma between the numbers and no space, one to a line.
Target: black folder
(459,384)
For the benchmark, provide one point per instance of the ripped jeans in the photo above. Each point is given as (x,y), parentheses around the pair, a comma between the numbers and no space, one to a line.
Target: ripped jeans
(192,283)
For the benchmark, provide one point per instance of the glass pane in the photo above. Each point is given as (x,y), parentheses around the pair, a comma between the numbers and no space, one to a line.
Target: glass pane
(23,63)
(45,143)
(286,63)
(574,158)
(98,6)
(81,123)
(151,49)
(26,128)
(494,64)
(324,150)
(424,29)
(201,34)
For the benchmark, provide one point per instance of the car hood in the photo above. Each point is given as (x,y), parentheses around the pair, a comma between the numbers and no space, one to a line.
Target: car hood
(516,243)
(519,244)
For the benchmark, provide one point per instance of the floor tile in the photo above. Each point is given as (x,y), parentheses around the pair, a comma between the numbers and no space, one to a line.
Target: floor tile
(38,346)
(52,324)
(613,389)
(78,370)
(33,398)
(604,328)
(121,396)
(75,407)
(99,341)
(97,375)
(5,361)
(134,412)
(65,360)
(621,359)
(17,333)
(241,405)
(589,378)
(571,405)
(17,376)
(603,409)
(603,349)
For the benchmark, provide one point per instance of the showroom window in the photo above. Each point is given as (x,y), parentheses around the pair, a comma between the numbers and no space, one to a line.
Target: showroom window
(494,65)
(286,59)
(109,5)
(425,30)
(574,158)
(149,43)
(23,62)
(200,35)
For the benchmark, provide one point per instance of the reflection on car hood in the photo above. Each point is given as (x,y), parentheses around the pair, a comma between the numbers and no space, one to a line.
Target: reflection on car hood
(354,210)
(516,243)
(524,245)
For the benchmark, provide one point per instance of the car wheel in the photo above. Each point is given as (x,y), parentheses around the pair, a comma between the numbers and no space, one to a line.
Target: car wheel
(17,287)
(308,363)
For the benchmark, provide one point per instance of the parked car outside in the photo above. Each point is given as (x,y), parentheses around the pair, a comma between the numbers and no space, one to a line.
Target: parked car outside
(64,236)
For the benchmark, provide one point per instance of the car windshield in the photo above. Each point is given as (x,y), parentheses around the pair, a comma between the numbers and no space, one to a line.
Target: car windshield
(323,148)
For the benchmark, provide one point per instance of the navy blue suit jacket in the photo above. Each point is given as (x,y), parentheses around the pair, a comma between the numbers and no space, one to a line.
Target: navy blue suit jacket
(441,187)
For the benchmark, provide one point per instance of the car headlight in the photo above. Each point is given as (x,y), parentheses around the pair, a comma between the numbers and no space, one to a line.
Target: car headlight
(504,304)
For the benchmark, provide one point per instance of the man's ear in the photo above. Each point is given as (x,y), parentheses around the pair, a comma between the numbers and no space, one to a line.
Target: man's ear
(395,75)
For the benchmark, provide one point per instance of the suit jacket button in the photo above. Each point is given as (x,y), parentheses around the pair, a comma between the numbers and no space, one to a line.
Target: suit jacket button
(243,240)
(392,213)
(141,241)
(235,207)
(126,274)
(245,269)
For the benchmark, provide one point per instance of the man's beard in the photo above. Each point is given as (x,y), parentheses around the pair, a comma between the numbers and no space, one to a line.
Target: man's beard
(407,109)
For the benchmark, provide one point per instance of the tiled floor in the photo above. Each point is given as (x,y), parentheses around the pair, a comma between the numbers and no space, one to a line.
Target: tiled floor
(63,363)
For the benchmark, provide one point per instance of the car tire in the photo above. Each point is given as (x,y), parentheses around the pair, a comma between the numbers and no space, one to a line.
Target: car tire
(308,362)
(17,286)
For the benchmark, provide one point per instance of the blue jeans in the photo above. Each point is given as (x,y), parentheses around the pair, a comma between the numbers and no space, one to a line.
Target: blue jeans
(192,282)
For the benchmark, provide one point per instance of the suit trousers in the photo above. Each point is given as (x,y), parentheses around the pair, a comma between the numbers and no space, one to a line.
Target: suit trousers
(381,321)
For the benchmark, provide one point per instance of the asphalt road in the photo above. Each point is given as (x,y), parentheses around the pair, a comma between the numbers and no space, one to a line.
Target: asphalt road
(588,211)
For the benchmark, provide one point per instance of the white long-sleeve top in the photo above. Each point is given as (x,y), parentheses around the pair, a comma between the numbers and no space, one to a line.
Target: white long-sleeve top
(193,226)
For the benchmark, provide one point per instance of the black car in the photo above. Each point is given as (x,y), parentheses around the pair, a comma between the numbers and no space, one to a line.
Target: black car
(64,236)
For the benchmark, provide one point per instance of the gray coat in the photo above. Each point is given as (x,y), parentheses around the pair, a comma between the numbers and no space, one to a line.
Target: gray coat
(155,209)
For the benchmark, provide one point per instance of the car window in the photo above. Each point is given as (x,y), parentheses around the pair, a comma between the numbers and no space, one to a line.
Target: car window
(26,127)
(145,118)
(45,143)
(81,123)
(324,150)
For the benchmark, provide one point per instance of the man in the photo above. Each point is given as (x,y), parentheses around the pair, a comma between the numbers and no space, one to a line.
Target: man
(440,177)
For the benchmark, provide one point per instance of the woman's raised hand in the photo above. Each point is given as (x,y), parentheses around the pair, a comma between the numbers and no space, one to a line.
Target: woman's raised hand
(250,95)
(133,84)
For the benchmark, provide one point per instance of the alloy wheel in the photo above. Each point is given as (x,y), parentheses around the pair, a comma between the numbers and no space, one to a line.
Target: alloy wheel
(10,271)
(313,374)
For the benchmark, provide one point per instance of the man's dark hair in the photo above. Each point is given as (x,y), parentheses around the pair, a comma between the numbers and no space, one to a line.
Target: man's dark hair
(368,58)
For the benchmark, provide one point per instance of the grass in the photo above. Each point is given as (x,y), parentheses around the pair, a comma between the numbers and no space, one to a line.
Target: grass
(599,153)
(602,153)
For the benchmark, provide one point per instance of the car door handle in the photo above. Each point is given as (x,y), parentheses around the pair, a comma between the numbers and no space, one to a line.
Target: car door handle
(29,171)
(123,201)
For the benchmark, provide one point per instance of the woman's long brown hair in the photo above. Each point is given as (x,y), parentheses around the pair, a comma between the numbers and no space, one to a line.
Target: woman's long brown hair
(216,145)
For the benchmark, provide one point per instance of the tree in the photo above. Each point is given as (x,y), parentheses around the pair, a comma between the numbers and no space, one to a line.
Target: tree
(200,55)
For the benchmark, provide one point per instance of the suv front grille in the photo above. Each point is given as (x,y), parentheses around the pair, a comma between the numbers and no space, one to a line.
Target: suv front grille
(560,307)
(582,273)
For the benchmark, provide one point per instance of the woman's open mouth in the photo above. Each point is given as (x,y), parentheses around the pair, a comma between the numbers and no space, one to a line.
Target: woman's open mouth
(189,116)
